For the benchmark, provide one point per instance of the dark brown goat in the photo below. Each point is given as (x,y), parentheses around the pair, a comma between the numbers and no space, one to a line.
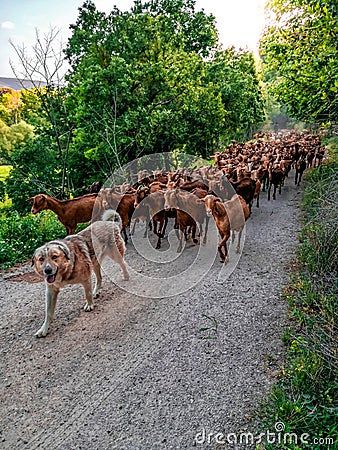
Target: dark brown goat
(300,166)
(276,178)
(122,203)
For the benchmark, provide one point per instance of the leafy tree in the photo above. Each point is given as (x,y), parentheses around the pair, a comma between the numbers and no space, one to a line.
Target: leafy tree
(299,50)
(52,120)
(182,21)
(241,90)
(35,169)
(146,81)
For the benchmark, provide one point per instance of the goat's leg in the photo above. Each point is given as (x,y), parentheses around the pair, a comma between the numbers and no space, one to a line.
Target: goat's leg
(238,248)
(133,225)
(193,234)
(155,226)
(274,191)
(223,244)
(145,234)
(147,223)
(70,229)
(164,227)
(159,234)
(206,230)
(269,191)
(182,233)
(300,178)
(296,177)
(257,204)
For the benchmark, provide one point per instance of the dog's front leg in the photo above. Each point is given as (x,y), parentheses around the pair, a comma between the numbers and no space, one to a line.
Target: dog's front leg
(51,296)
(98,281)
(87,285)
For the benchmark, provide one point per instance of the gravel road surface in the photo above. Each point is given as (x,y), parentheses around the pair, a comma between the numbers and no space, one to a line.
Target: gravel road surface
(149,373)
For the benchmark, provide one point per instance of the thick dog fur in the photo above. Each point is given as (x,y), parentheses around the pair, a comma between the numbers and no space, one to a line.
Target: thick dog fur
(73,259)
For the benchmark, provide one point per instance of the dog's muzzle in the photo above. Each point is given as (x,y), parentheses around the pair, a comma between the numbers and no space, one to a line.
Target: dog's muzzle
(49,275)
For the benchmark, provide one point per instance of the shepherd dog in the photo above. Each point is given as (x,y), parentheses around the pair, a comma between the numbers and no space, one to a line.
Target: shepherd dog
(73,259)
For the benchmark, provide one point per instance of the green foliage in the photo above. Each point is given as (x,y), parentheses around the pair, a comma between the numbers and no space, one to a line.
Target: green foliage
(299,54)
(21,235)
(36,169)
(305,398)
(2,191)
(140,84)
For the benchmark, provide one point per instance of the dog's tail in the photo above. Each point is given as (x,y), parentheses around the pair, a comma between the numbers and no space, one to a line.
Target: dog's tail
(112,216)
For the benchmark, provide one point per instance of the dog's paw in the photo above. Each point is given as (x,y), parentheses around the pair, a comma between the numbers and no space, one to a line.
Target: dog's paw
(88,307)
(42,332)
(126,277)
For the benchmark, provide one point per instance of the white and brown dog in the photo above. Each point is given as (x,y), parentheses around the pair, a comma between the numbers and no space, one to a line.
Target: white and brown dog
(73,259)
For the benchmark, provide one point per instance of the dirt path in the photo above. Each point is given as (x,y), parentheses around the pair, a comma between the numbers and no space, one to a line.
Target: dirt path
(145,373)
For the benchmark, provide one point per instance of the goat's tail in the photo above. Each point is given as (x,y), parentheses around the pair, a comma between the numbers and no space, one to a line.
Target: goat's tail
(112,216)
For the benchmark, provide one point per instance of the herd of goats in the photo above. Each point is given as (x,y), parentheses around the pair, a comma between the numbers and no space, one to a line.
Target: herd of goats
(225,190)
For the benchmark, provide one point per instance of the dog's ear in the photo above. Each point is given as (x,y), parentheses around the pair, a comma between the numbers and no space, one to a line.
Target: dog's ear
(33,258)
(65,251)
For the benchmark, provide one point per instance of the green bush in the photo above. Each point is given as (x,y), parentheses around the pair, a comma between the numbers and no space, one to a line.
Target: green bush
(21,235)
(305,398)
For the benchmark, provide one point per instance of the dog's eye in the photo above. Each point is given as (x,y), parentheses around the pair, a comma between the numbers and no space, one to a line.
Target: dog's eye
(41,258)
(54,257)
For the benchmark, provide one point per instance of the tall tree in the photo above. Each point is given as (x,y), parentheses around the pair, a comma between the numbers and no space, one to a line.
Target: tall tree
(131,74)
(147,80)
(299,51)
(43,66)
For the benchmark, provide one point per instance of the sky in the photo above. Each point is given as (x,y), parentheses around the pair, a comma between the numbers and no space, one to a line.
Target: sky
(239,22)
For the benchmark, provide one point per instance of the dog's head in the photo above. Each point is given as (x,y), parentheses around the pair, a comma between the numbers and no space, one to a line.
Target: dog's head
(51,261)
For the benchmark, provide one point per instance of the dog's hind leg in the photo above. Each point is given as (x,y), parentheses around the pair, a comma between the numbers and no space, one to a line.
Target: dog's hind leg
(51,296)
(118,259)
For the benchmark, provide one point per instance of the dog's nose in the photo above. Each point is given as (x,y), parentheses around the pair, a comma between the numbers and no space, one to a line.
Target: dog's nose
(48,270)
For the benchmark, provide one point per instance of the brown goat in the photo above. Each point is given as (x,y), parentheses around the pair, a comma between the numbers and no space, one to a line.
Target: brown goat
(154,204)
(300,166)
(69,212)
(215,207)
(230,215)
(238,213)
(122,203)
(276,178)
(189,210)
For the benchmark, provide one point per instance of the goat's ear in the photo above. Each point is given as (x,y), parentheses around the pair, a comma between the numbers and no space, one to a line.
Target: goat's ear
(30,200)
(202,200)
(217,199)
